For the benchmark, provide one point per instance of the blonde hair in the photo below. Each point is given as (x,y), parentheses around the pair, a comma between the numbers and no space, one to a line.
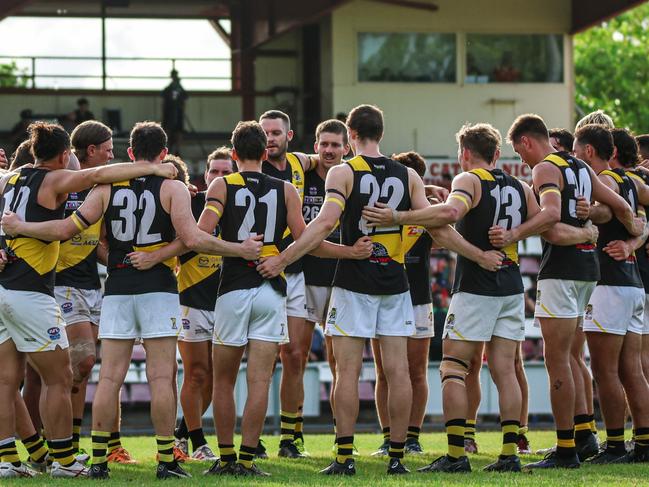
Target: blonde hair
(597,117)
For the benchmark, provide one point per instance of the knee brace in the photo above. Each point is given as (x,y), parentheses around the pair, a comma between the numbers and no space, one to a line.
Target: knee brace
(453,370)
(79,352)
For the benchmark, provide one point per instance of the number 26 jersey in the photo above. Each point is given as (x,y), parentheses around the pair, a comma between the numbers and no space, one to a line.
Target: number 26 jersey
(254,205)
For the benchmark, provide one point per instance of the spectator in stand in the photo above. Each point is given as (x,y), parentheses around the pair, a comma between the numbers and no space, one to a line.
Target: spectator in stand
(19,131)
(83,113)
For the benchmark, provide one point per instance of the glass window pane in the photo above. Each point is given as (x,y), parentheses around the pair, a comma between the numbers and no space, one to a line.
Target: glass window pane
(401,57)
(513,58)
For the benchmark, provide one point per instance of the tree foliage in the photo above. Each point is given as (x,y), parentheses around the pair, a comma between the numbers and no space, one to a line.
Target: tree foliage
(12,76)
(612,69)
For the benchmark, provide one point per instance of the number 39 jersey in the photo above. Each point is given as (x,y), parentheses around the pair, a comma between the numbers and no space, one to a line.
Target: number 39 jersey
(376,179)
(570,262)
(254,205)
(502,203)
(136,221)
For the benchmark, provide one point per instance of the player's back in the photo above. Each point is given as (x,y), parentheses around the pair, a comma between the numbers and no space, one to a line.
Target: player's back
(503,203)
(136,221)
(254,205)
(641,256)
(376,179)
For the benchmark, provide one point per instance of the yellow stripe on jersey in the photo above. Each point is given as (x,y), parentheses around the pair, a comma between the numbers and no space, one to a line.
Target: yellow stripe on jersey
(483,174)
(40,256)
(410,234)
(197,269)
(634,175)
(614,175)
(13,179)
(511,252)
(269,251)
(171,263)
(297,173)
(462,198)
(359,164)
(235,179)
(79,247)
(557,160)
(392,243)
(122,183)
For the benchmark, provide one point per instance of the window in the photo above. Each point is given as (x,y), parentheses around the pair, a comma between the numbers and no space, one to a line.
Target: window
(512,58)
(396,57)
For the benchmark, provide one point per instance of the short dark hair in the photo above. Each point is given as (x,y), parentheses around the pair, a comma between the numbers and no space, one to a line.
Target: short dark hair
(181,167)
(277,115)
(82,101)
(564,137)
(48,140)
(249,141)
(413,160)
(643,145)
(599,137)
(332,126)
(481,139)
(529,124)
(90,132)
(22,155)
(627,147)
(367,122)
(147,140)
(224,153)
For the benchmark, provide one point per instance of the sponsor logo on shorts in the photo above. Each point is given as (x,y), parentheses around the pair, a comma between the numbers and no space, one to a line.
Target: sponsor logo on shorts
(450,321)
(422,329)
(185,324)
(202,331)
(589,312)
(538,296)
(30,339)
(67,307)
(331,320)
(409,323)
(430,316)
(283,326)
(173,324)
(54,333)
(380,254)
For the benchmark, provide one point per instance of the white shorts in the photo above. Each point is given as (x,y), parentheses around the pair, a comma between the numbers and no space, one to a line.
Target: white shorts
(370,316)
(645,328)
(149,315)
(424,327)
(250,314)
(559,298)
(477,318)
(32,320)
(616,310)
(78,305)
(295,296)
(198,325)
(317,303)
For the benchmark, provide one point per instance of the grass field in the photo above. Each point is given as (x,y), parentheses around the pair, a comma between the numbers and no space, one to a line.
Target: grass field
(371,471)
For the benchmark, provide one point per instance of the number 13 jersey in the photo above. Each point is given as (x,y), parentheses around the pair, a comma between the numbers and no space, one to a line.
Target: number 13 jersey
(254,205)
(376,179)
(135,220)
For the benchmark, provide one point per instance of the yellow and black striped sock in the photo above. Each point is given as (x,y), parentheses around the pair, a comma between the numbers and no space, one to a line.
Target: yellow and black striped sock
(76,432)
(641,438)
(9,452)
(386,434)
(396,449)
(344,449)
(165,449)
(299,425)
(114,442)
(510,437)
(99,446)
(36,448)
(246,455)
(455,429)
(615,441)
(522,431)
(582,427)
(566,443)
(592,423)
(62,451)
(227,453)
(288,421)
(469,429)
(413,433)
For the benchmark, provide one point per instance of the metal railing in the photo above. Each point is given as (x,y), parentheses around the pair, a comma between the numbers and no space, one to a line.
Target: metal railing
(32,74)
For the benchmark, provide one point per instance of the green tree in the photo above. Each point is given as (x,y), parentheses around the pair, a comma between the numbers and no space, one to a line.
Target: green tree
(612,69)
(12,76)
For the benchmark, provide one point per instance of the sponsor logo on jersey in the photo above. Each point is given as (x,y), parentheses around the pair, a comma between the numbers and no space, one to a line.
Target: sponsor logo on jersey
(415,230)
(207,262)
(380,254)
(66,307)
(313,200)
(54,333)
(312,190)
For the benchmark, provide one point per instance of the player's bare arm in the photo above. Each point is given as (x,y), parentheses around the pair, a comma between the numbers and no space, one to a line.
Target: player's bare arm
(603,193)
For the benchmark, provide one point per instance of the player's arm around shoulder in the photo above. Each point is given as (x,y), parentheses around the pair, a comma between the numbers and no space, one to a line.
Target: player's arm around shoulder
(605,191)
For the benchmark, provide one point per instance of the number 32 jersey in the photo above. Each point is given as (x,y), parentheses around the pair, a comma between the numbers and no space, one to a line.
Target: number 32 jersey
(135,220)
(254,205)
(376,179)
(502,203)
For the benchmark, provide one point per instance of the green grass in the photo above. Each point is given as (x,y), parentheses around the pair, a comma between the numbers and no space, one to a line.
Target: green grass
(370,470)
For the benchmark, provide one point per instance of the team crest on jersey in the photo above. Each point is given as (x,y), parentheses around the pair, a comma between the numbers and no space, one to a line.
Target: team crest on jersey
(332,316)
(173,324)
(380,254)
(54,333)
(450,321)
(589,312)
(297,177)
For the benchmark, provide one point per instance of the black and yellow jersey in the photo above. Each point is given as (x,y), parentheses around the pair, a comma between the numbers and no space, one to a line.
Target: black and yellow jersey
(503,203)
(376,179)
(254,205)
(317,271)
(77,264)
(136,221)
(294,174)
(618,273)
(198,279)
(31,262)
(570,262)
(417,244)
(641,253)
